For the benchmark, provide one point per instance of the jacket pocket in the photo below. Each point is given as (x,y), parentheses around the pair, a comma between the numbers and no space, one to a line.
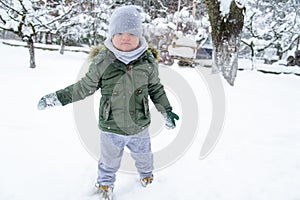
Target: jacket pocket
(146,106)
(106,110)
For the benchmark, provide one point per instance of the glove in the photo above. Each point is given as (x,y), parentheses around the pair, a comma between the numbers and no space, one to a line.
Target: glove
(48,100)
(170,119)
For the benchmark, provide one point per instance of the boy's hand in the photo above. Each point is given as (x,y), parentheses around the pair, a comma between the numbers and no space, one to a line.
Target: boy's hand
(170,119)
(48,100)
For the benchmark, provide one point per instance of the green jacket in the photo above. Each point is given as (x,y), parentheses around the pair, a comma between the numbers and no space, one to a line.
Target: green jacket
(124,107)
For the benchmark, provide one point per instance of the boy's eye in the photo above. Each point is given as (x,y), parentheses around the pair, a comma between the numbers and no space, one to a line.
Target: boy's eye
(130,34)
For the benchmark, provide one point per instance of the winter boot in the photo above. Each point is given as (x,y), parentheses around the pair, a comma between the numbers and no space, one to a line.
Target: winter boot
(105,191)
(146,181)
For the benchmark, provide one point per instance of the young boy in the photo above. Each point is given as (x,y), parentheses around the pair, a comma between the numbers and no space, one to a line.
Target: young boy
(127,73)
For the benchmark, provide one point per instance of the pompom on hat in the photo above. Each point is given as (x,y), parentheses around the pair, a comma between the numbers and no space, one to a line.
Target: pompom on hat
(125,19)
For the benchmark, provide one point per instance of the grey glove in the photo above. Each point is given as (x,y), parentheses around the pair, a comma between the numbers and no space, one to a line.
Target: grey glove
(170,119)
(48,100)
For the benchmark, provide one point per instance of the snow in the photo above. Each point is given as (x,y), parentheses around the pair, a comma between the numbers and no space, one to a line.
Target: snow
(225,5)
(42,156)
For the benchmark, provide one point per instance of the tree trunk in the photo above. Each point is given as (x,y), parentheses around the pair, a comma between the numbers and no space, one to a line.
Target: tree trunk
(62,46)
(31,52)
(226,37)
(298,43)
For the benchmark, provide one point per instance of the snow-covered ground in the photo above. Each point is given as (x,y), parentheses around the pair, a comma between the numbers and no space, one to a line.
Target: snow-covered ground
(42,156)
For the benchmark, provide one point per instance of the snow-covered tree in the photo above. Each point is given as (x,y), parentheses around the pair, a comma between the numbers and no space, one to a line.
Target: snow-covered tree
(271,24)
(94,22)
(27,18)
(226,29)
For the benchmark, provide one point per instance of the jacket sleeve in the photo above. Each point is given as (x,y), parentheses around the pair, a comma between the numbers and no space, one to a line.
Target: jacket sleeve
(157,92)
(81,89)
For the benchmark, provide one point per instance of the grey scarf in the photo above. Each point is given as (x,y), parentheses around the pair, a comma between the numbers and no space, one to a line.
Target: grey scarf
(128,56)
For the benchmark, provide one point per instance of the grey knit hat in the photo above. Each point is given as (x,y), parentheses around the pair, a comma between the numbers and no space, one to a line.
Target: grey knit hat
(125,19)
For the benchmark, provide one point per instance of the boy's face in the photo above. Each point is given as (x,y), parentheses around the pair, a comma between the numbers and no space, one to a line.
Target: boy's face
(125,41)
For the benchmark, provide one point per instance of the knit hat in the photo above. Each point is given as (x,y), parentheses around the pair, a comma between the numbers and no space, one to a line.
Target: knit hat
(125,19)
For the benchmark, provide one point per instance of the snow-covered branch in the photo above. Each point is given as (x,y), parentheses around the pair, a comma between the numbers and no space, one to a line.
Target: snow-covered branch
(271,25)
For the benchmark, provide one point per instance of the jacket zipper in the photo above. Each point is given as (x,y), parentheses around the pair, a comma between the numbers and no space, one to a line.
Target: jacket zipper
(129,67)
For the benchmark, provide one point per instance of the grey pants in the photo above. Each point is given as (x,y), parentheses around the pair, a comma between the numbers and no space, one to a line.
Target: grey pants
(112,147)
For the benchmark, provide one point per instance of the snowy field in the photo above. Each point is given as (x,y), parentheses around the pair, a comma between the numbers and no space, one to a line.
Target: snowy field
(42,157)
